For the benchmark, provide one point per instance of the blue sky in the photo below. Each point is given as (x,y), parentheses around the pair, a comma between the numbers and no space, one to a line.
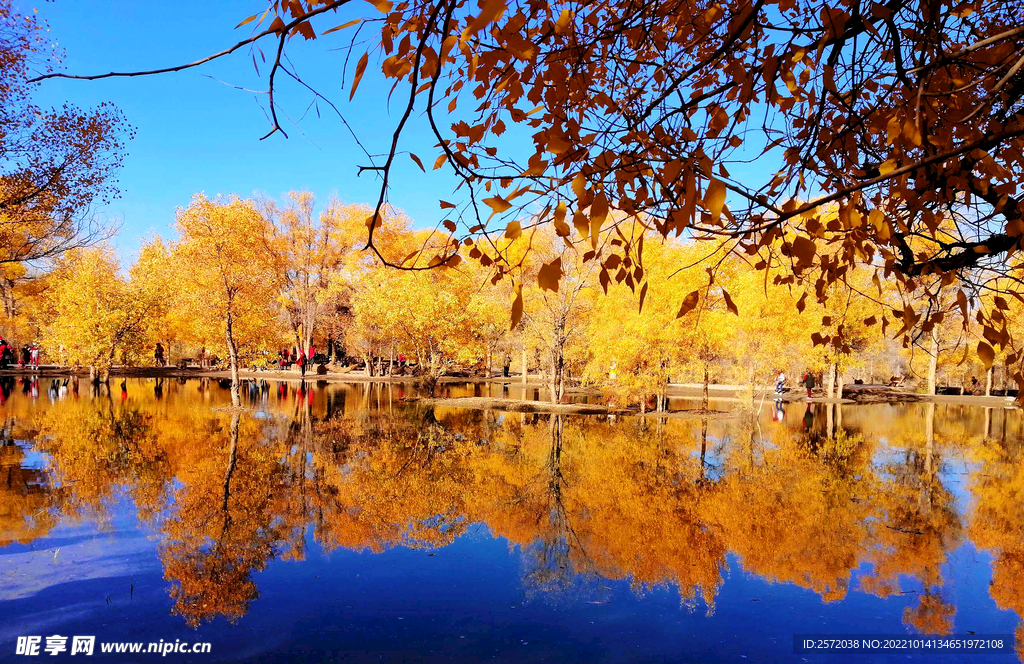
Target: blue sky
(197,134)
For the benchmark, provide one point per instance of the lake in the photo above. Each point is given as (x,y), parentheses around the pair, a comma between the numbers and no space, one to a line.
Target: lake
(337,523)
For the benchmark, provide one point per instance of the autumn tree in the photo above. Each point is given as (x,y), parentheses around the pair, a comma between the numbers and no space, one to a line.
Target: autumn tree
(904,116)
(93,315)
(57,164)
(554,299)
(311,251)
(227,277)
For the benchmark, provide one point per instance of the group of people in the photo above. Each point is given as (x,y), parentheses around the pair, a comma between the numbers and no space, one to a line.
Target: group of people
(26,356)
(301,358)
(807,381)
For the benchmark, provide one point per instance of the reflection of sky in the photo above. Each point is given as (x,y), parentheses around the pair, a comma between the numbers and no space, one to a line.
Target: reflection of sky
(466,602)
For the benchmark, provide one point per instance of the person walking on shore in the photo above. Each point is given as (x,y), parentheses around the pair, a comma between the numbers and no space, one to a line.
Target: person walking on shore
(302,363)
(809,383)
(158,355)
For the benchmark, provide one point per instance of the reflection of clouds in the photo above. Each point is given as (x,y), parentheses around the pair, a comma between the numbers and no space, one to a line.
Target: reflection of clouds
(81,555)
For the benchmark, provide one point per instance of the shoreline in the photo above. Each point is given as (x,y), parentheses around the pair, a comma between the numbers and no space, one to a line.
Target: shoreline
(852,394)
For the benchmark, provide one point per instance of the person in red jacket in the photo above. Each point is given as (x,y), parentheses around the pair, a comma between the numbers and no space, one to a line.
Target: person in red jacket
(302,363)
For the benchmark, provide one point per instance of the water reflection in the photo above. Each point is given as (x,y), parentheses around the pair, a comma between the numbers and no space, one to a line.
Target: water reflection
(866,499)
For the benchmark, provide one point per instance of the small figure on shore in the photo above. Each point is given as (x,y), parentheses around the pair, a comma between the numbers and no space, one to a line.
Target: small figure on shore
(311,353)
(33,357)
(158,355)
(25,356)
(302,363)
(780,382)
(809,383)
(507,366)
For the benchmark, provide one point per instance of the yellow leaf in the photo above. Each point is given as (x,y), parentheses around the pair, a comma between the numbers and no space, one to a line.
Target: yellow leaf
(497,204)
(342,26)
(730,305)
(513,230)
(804,249)
(439,162)
(360,68)
(517,307)
(582,224)
(561,228)
(549,275)
(248,20)
(986,354)
(563,20)
(714,199)
(383,6)
(689,304)
(598,214)
(887,167)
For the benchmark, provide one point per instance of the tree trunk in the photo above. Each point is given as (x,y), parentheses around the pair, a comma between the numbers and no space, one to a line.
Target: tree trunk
(933,361)
(840,382)
(229,337)
(704,400)
(525,370)
(988,382)
(830,380)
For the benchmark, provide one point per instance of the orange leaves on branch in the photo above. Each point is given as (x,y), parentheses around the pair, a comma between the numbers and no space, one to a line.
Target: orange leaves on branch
(490,11)
(513,230)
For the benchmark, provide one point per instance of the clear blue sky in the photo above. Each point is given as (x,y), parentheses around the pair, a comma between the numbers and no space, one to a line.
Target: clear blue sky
(197,134)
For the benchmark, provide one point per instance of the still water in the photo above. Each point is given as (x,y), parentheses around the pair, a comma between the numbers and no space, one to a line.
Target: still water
(335,523)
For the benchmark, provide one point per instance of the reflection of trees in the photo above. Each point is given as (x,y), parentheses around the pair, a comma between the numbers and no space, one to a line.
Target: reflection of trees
(916,525)
(997,522)
(27,497)
(222,526)
(804,489)
(584,498)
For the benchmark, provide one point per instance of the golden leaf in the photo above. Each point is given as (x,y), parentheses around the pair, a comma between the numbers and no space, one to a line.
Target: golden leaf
(986,354)
(549,275)
(517,307)
(360,68)
(689,303)
(383,6)
(714,199)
